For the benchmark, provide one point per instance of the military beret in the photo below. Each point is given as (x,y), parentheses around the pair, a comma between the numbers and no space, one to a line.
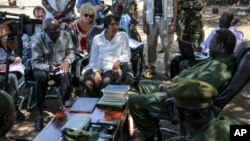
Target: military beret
(192,93)
(6,103)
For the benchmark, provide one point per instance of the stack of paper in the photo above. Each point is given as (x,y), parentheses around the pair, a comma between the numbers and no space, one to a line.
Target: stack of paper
(114,95)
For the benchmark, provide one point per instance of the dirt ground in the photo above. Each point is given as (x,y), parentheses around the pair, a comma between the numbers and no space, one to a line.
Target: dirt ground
(238,108)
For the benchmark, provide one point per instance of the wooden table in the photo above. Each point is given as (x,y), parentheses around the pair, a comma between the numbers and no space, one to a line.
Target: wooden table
(51,131)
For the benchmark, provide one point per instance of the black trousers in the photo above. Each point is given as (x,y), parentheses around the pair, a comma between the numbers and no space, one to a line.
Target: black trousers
(107,78)
(90,85)
(41,82)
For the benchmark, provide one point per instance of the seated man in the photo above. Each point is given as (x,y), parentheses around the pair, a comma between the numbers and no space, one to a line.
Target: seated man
(195,113)
(52,54)
(110,49)
(216,71)
(7,114)
(227,21)
(7,45)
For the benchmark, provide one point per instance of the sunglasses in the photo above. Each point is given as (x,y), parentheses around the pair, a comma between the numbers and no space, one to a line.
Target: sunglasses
(88,15)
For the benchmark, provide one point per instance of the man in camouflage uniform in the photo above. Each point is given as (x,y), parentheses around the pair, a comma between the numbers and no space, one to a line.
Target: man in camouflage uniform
(189,21)
(205,78)
(7,114)
(133,11)
(131,8)
(196,116)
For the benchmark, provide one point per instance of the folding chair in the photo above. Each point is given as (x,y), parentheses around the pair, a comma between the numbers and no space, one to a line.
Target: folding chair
(30,87)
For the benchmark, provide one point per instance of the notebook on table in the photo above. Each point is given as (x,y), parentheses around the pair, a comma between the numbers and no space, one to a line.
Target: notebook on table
(187,50)
(86,105)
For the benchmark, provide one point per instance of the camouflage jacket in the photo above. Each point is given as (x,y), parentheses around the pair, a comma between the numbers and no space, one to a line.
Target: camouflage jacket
(215,130)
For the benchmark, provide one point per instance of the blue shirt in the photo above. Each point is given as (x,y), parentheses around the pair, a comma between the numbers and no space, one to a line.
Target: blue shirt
(124,22)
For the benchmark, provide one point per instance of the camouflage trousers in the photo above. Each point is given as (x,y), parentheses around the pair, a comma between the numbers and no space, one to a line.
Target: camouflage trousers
(148,100)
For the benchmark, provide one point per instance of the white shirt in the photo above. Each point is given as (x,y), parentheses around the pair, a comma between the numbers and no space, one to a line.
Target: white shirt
(105,53)
(167,7)
(238,34)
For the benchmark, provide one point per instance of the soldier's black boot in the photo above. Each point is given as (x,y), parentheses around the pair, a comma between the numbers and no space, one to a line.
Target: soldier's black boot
(156,137)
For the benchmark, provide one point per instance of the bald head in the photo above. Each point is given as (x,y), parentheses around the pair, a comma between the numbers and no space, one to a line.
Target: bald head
(52,28)
(48,22)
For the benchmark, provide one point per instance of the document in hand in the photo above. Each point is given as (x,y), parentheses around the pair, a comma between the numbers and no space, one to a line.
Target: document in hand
(200,56)
(133,43)
(16,68)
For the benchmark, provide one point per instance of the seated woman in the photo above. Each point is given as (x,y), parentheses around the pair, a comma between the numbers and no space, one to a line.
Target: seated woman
(110,49)
(8,43)
(81,28)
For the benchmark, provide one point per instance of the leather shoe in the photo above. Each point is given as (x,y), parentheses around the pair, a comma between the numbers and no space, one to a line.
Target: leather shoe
(149,73)
(155,137)
(38,123)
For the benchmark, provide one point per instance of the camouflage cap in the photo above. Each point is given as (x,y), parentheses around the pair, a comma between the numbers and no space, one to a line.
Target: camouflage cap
(191,93)
(6,103)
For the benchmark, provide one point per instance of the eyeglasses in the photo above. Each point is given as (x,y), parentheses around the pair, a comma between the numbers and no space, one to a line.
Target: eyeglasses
(88,15)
